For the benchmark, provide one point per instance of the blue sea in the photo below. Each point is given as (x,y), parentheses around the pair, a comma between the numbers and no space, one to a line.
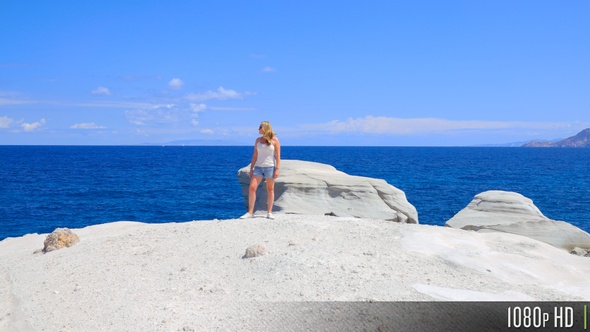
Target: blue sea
(45,187)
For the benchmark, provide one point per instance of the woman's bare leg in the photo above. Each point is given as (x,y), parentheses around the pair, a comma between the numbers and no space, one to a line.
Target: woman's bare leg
(270,188)
(254,182)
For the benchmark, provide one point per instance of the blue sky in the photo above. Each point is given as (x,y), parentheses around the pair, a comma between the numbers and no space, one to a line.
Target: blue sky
(400,73)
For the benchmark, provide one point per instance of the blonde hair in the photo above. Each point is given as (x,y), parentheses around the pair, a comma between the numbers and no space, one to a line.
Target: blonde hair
(267,130)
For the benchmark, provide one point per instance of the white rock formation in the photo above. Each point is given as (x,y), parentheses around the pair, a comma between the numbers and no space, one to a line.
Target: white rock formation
(313,188)
(511,212)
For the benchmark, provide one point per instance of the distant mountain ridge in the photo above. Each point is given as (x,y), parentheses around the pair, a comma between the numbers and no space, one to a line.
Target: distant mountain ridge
(580,140)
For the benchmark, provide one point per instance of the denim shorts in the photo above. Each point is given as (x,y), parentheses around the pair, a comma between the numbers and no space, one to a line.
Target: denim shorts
(265,172)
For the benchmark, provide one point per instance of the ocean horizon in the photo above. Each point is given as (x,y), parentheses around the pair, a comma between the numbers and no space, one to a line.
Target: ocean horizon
(50,186)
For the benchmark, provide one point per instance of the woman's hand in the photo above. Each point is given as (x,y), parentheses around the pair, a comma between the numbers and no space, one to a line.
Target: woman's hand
(250,174)
(276,174)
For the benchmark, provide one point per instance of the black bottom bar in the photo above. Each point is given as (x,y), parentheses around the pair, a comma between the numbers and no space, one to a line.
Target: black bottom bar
(413,316)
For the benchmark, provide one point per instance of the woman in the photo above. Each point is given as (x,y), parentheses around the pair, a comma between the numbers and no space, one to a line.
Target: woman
(266,162)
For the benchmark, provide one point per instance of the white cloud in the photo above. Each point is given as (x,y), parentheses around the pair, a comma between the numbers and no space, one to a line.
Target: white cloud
(176,83)
(11,101)
(198,108)
(216,108)
(188,113)
(269,69)
(28,127)
(399,126)
(87,125)
(207,131)
(166,113)
(5,122)
(220,94)
(114,104)
(101,90)
(9,98)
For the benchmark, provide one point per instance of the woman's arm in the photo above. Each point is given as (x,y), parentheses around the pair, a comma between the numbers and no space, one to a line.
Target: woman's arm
(277,145)
(254,157)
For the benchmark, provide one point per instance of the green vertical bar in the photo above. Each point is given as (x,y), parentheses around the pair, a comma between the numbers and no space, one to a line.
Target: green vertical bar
(585,315)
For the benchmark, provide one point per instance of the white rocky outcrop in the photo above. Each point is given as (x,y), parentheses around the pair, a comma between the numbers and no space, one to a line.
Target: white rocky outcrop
(313,188)
(511,212)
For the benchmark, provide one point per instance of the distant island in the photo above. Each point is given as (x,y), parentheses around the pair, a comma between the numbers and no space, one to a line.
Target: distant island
(580,140)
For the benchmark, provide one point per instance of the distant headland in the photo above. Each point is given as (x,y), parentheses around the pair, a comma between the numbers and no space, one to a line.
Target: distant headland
(580,140)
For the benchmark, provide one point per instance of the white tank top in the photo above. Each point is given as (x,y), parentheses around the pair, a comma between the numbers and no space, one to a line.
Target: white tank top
(266,155)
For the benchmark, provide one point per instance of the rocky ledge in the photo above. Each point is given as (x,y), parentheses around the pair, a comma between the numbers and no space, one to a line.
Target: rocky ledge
(319,189)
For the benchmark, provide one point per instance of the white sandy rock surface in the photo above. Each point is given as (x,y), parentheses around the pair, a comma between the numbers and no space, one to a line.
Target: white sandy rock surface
(191,276)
